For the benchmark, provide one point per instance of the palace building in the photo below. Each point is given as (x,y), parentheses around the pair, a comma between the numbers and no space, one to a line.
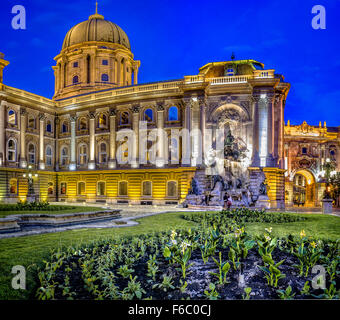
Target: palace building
(105,138)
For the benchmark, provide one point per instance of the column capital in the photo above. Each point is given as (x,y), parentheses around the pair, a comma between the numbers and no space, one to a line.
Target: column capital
(160,107)
(42,116)
(73,118)
(113,112)
(135,108)
(92,114)
(23,111)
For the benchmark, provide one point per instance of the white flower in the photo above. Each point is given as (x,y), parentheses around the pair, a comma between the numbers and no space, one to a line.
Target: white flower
(269,230)
(174,242)
(267,238)
(184,246)
(173,234)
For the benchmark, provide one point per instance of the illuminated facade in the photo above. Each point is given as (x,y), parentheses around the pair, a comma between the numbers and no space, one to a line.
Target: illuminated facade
(105,138)
(307,148)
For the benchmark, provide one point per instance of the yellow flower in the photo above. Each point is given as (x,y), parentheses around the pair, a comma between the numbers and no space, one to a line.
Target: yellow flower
(313,244)
(302,233)
(269,230)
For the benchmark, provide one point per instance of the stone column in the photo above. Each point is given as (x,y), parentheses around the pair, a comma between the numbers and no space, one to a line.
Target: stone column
(270,105)
(186,141)
(93,69)
(41,141)
(124,73)
(2,133)
(160,160)
(119,64)
(195,134)
(256,146)
(56,136)
(202,126)
(112,160)
(135,145)
(23,125)
(72,165)
(92,162)
(135,76)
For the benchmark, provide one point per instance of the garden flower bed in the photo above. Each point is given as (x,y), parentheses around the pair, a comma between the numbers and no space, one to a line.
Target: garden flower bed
(215,260)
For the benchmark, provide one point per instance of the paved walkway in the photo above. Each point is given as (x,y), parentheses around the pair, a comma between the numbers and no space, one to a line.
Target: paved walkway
(128,215)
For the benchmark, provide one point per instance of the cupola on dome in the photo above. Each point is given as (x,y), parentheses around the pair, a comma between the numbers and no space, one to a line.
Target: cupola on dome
(96,28)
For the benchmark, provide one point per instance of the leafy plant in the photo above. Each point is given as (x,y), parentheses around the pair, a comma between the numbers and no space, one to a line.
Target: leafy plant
(223,268)
(165,285)
(212,294)
(286,294)
(124,271)
(247,292)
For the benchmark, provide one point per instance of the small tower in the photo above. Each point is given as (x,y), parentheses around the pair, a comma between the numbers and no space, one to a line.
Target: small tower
(3,64)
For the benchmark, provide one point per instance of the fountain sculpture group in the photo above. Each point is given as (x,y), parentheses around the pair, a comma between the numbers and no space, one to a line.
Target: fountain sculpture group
(237,184)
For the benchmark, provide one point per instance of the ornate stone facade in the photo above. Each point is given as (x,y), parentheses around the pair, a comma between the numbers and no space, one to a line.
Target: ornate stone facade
(116,136)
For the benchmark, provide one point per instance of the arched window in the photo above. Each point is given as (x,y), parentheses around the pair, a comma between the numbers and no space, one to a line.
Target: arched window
(13,186)
(148,115)
(173,114)
(81,188)
(48,156)
(172,189)
(64,156)
(102,121)
(31,153)
(75,80)
(63,188)
(124,118)
(82,154)
(49,126)
(125,151)
(11,150)
(102,153)
(105,77)
(122,188)
(82,123)
(50,188)
(147,188)
(64,127)
(101,188)
(31,122)
(12,117)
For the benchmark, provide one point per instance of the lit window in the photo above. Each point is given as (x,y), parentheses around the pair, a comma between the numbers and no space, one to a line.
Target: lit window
(105,77)
(64,156)
(31,122)
(147,188)
(82,124)
(173,114)
(172,189)
(124,118)
(102,153)
(63,188)
(13,186)
(12,117)
(122,188)
(48,156)
(75,64)
(50,188)
(11,150)
(102,121)
(148,115)
(48,126)
(81,188)
(31,153)
(105,62)
(64,127)
(304,150)
(82,154)
(75,80)
(101,188)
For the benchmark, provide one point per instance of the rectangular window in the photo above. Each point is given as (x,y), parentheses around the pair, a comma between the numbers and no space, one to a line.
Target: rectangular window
(75,64)
(105,62)
(147,188)
(101,188)
(63,188)
(81,188)
(122,188)
(172,189)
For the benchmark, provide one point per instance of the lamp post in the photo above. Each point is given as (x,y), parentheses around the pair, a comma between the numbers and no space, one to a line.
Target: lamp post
(30,174)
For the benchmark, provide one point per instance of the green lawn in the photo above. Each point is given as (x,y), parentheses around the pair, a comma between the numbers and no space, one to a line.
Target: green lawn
(71,209)
(31,250)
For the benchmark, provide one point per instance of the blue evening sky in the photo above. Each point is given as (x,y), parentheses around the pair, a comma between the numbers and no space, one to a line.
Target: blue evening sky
(174,38)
